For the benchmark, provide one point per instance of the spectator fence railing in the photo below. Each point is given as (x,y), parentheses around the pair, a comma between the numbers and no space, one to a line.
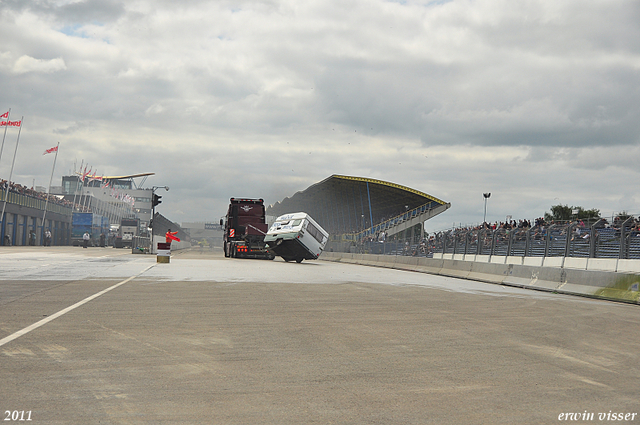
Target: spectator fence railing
(32,202)
(557,240)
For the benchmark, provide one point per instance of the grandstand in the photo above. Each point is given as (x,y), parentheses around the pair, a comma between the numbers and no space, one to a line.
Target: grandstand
(355,208)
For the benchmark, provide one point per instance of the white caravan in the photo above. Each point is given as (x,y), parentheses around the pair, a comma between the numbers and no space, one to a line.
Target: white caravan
(297,237)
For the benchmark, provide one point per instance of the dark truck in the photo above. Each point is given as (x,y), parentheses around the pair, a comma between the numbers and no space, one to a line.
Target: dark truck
(244,230)
(129,227)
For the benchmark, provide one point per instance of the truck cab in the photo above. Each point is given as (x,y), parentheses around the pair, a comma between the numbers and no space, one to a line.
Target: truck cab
(245,228)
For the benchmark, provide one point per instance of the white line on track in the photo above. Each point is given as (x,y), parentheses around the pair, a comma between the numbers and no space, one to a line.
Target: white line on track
(54,316)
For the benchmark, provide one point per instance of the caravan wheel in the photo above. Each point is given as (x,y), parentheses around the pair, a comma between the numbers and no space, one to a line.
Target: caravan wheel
(299,260)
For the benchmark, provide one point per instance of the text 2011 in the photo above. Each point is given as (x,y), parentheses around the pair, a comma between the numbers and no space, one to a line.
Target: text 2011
(17,415)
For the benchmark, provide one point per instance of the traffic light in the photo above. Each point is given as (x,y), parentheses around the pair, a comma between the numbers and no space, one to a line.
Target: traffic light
(156,200)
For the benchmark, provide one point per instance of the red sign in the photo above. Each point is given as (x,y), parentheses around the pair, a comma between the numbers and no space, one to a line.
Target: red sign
(232,233)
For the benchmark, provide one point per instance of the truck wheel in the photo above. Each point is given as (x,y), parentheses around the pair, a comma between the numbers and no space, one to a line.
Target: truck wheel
(226,249)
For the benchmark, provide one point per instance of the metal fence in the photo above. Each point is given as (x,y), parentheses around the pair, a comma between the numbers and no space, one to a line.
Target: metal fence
(31,202)
(598,240)
(141,245)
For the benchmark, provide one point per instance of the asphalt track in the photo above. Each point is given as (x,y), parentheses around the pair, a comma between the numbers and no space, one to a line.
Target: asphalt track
(101,336)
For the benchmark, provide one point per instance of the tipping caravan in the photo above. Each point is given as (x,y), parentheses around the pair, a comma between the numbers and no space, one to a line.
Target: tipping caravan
(297,237)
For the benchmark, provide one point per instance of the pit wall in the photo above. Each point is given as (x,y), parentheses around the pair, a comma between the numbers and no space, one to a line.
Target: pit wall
(609,279)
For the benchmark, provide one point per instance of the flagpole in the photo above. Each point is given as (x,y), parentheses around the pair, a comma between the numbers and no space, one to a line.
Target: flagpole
(84,176)
(6,193)
(1,149)
(46,203)
(5,132)
(82,187)
(75,188)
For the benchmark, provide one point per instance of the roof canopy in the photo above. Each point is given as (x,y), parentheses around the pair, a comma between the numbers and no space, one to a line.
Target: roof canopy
(344,204)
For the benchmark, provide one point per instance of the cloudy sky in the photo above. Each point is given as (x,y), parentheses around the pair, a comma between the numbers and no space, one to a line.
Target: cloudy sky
(537,102)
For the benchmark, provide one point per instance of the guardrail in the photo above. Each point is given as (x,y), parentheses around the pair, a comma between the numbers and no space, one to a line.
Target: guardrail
(399,219)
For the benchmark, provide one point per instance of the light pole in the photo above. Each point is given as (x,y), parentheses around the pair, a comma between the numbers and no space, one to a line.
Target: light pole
(486,196)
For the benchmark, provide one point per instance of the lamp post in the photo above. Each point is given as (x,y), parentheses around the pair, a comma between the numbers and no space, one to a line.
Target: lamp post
(486,196)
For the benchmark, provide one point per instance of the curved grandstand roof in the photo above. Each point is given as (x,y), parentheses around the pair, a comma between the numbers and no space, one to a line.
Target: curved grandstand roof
(345,204)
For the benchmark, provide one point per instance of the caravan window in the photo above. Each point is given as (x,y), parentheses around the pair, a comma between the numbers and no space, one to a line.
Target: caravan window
(313,231)
(296,222)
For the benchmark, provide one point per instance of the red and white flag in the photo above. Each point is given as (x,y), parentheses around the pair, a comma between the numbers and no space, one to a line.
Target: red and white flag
(5,115)
(85,174)
(53,149)
(10,123)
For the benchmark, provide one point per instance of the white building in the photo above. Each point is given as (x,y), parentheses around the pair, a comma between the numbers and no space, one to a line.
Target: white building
(113,197)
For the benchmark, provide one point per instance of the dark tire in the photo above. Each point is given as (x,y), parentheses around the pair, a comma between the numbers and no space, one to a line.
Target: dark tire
(299,260)
(287,259)
(226,249)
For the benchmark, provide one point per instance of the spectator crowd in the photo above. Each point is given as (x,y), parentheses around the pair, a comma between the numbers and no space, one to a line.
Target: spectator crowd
(24,190)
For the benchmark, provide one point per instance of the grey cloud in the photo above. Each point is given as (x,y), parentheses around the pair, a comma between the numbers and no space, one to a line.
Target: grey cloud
(263,99)
(78,126)
(72,13)
(91,11)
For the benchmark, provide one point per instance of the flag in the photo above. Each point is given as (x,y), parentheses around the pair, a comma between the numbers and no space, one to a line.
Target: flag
(53,149)
(10,123)
(5,115)
(85,174)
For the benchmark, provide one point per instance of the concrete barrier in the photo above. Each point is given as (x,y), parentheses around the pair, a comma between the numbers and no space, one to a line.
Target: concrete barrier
(517,261)
(547,274)
(575,263)
(553,261)
(430,265)
(488,272)
(532,261)
(498,259)
(628,266)
(455,268)
(603,264)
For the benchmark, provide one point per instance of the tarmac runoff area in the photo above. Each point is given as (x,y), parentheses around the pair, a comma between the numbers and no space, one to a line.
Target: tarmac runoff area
(103,336)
